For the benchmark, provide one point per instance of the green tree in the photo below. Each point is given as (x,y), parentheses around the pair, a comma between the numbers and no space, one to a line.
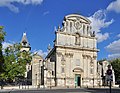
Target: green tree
(15,62)
(116,66)
(2,35)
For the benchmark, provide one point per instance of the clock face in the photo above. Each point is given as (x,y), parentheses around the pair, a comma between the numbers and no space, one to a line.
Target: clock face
(77,25)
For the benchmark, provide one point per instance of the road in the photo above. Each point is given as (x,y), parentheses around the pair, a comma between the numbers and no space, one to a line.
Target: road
(78,90)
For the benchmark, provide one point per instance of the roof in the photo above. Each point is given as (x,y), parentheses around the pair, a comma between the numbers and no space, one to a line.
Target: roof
(51,52)
(25,40)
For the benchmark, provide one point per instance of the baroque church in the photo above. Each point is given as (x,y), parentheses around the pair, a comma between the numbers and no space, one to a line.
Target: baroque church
(72,62)
(73,59)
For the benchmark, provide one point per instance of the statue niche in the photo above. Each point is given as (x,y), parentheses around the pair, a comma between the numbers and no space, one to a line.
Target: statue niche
(77,39)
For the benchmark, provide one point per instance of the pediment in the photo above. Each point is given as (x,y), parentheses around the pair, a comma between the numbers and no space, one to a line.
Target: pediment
(78,69)
(77,17)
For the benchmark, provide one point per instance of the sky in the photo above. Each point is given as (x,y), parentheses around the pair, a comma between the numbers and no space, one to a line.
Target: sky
(38,18)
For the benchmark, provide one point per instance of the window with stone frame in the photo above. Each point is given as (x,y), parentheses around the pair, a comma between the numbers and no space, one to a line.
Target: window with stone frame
(77,62)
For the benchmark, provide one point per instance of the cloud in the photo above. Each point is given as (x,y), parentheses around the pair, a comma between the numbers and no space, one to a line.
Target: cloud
(113,56)
(10,4)
(98,20)
(118,35)
(40,52)
(114,6)
(45,13)
(5,44)
(114,47)
(101,37)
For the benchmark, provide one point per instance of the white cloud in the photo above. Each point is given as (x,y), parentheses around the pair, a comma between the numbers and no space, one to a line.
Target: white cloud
(114,47)
(6,44)
(118,35)
(114,6)
(98,20)
(112,56)
(45,13)
(101,37)
(10,3)
(40,52)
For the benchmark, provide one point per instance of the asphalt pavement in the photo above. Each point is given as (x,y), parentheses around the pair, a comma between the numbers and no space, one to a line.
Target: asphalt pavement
(77,90)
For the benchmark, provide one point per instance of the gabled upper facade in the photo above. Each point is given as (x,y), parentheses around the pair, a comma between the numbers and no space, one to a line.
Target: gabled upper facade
(76,31)
(75,23)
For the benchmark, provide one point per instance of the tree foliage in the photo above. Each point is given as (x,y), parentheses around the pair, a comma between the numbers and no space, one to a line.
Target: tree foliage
(15,62)
(116,66)
(2,35)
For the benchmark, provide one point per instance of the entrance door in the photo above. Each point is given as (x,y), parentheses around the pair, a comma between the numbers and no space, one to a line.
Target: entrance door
(77,80)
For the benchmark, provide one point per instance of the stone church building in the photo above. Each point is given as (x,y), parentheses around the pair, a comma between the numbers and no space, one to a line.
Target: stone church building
(26,48)
(72,62)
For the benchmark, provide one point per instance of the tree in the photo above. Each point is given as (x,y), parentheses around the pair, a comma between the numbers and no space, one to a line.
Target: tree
(2,35)
(116,66)
(15,62)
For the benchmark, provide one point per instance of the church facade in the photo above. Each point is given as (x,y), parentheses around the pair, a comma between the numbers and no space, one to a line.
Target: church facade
(72,62)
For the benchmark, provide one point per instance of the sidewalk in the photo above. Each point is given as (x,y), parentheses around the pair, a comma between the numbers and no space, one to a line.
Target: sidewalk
(14,88)
(42,87)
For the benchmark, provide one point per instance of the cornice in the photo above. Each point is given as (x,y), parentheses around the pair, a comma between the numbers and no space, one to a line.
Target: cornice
(78,48)
(74,34)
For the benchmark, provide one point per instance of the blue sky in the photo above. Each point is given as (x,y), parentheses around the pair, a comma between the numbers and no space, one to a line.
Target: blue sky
(38,18)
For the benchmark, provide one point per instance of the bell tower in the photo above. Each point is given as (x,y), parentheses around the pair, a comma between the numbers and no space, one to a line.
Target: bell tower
(25,44)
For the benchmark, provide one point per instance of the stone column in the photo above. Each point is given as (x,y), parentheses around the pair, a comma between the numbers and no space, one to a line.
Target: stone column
(95,66)
(85,66)
(85,30)
(95,70)
(88,66)
(84,69)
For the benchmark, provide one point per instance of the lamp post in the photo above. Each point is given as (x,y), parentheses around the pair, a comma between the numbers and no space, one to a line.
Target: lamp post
(109,73)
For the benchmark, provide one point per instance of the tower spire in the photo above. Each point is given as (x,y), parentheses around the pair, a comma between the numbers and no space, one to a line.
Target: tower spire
(24,42)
